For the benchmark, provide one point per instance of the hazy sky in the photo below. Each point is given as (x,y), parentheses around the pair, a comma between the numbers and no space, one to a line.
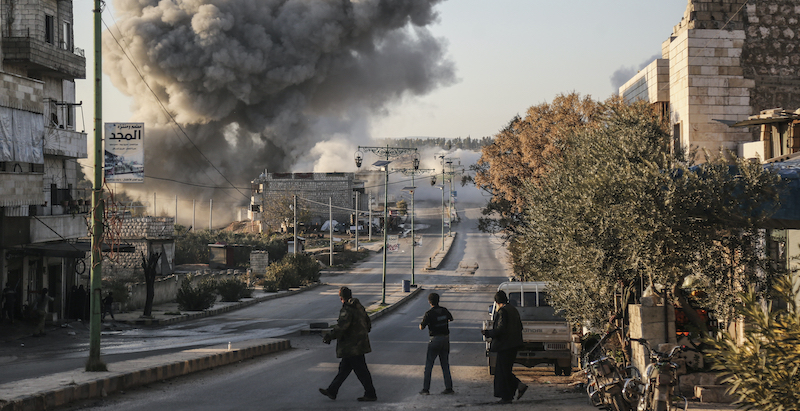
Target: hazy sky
(508,54)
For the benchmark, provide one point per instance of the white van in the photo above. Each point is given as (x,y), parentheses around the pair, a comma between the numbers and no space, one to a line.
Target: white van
(547,337)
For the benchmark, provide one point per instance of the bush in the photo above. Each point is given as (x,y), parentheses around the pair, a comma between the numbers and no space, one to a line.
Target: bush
(233,289)
(293,270)
(191,247)
(198,298)
(763,372)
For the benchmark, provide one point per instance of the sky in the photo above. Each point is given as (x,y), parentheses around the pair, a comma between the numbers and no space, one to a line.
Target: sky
(501,58)
(508,55)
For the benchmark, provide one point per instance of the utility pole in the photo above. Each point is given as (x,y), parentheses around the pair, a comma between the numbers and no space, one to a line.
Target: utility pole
(210,213)
(413,172)
(356,220)
(388,153)
(330,226)
(294,208)
(95,363)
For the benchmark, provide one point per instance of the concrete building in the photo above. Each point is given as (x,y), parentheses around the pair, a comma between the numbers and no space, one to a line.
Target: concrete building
(313,191)
(41,212)
(725,61)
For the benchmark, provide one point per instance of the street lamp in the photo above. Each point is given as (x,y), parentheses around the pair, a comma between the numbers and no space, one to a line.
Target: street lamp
(388,153)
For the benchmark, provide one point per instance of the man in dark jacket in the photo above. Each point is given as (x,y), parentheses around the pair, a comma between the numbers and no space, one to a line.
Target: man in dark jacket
(437,319)
(351,333)
(506,335)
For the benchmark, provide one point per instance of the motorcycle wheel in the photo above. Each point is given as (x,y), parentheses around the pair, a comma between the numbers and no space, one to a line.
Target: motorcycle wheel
(619,403)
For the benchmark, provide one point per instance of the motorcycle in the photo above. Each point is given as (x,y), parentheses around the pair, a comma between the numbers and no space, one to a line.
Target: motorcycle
(605,381)
(657,391)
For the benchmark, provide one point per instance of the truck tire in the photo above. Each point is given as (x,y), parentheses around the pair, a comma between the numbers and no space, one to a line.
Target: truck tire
(557,369)
(566,371)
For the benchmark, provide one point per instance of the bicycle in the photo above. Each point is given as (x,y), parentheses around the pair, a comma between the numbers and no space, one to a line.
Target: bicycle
(604,380)
(657,391)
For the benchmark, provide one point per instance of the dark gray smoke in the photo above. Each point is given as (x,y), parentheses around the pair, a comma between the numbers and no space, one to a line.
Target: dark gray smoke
(623,74)
(257,84)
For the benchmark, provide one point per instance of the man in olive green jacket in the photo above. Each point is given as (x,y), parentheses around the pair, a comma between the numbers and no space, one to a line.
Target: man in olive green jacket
(351,333)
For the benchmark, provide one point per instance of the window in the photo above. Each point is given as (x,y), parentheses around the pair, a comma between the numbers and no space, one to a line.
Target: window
(66,36)
(49,29)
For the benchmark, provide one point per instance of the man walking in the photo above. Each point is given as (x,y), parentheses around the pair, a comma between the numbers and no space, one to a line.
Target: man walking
(437,319)
(108,306)
(9,299)
(351,333)
(506,335)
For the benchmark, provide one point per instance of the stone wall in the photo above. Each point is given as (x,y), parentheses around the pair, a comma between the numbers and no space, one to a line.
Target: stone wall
(166,288)
(771,54)
(259,261)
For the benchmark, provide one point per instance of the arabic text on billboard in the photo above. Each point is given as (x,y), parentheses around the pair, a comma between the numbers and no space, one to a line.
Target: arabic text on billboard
(124,153)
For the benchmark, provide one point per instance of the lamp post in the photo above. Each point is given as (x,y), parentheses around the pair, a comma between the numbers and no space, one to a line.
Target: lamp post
(413,172)
(388,153)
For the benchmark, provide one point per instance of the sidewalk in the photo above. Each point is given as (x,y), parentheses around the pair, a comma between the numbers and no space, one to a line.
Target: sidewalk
(59,389)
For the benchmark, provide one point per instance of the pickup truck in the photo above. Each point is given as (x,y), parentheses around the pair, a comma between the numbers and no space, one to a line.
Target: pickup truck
(547,337)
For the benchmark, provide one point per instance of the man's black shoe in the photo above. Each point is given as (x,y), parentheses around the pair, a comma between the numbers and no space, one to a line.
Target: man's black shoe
(504,401)
(521,390)
(424,392)
(327,393)
(448,391)
(368,398)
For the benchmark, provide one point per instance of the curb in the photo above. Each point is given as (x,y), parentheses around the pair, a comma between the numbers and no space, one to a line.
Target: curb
(109,382)
(389,308)
(214,311)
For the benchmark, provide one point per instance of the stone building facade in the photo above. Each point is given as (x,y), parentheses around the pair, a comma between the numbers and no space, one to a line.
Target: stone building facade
(42,213)
(146,235)
(313,190)
(725,61)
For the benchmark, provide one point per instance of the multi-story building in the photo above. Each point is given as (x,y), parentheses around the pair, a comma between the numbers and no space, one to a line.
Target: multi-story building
(41,212)
(725,61)
(314,192)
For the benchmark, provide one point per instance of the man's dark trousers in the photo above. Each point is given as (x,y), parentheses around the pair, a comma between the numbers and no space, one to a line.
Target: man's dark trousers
(505,382)
(357,364)
(439,346)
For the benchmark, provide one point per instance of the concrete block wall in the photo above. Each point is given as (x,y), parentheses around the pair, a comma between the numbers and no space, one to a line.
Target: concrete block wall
(653,323)
(20,189)
(651,84)
(707,84)
(259,261)
(21,93)
(317,187)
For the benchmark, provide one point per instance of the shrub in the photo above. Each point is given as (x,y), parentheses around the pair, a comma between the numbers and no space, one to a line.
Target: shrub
(198,298)
(293,270)
(763,371)
(233,289)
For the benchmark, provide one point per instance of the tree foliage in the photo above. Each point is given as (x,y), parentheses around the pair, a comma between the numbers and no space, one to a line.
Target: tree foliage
(522,152)
(616,209)
(764,371)
(293,270)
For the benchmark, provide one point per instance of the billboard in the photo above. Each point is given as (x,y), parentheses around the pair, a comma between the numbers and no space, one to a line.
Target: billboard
(124,153)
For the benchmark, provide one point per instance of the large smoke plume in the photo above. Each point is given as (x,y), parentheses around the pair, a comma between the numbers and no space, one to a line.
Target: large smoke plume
(282,85)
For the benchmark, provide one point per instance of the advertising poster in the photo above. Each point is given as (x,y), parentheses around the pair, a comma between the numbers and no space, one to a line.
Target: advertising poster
(124,153)
(393,243)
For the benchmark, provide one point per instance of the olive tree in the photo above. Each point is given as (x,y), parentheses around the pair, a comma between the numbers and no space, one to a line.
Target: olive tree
(617,208)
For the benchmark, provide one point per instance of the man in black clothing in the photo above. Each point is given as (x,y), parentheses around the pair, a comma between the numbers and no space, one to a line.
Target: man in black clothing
(351,333)
(436,319)
(506,335)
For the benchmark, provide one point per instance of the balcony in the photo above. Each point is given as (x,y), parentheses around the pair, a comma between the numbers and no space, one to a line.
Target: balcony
(65,143)
(45,58)
(58,227)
